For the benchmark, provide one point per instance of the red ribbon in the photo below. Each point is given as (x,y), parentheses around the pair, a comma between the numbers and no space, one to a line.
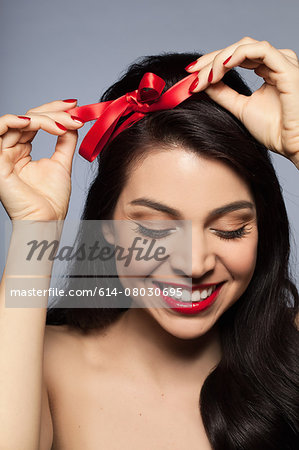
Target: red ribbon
(147,98)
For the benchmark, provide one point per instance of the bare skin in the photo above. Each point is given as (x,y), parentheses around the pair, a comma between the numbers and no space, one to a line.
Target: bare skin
(145,372)
(112,401)
(142,390)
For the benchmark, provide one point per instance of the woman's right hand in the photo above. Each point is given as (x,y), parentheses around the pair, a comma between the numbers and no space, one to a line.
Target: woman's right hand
(37,190)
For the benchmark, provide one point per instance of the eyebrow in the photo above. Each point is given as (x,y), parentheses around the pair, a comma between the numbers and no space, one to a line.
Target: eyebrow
(241,204)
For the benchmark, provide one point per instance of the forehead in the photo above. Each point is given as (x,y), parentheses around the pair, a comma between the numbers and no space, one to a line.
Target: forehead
(185,181)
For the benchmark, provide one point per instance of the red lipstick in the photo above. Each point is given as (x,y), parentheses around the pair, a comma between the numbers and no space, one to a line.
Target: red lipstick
(190,307)
(194,286)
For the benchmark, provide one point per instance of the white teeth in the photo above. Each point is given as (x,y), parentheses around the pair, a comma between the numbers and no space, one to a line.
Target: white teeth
(195,296)
(186,297)
(210,290)
(203,294)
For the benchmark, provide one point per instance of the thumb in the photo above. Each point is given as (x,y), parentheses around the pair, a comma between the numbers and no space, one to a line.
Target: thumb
(227,97)
(65,149)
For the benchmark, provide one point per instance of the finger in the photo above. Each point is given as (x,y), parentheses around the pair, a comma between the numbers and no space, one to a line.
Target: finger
(202,61)
(11,121)
(253,63)
(225,53)
(15,156)
(252,56)
(246,64)
(65,149)
(268,75)
(291,55)
(202,81)
(63,118)
(227,97)
(42,122)
(262,51)
(27,136)
(212,74)
(56,105)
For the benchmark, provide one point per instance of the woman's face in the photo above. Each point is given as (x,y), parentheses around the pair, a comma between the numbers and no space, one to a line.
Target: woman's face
(182,186)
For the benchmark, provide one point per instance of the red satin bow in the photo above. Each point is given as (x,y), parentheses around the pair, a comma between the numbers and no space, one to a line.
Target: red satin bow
(147,98)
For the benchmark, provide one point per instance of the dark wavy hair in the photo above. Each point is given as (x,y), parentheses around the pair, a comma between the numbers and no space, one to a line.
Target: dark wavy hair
(250,400)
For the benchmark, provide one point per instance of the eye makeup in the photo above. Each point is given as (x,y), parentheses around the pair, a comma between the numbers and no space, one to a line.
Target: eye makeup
(162,233)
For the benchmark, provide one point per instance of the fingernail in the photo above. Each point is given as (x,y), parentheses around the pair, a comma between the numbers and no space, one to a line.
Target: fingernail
(193,84)
(226,61)
(23,117)
(191,65)
(210,76)
(70,100)
(76,119)
(61,126)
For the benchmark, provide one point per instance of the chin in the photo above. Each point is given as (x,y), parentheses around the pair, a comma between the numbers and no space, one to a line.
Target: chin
(186,335)
(183,327)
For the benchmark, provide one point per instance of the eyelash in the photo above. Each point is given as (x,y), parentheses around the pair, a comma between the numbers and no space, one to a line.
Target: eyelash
(234,234)
(159,234)
(156,234)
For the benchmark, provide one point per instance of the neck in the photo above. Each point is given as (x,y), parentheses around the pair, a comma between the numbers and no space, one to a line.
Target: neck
(155,354)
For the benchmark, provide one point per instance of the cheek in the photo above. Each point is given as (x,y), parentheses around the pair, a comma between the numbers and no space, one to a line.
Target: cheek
(141,255)
(240,259)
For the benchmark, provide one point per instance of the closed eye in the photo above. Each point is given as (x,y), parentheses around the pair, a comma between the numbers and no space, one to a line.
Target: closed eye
(232,234)
(161,233)
(156,234)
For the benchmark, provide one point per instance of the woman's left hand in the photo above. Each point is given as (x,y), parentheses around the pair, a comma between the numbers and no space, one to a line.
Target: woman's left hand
(271,113)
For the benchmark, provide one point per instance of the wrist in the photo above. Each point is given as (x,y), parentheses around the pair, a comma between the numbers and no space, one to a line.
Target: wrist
(32,247)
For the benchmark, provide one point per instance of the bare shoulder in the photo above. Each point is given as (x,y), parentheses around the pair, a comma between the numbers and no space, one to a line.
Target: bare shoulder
(66,347)
(59,331)
(60,335)
(61,344)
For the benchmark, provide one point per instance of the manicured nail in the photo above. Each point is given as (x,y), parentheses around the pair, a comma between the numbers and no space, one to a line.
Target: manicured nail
(226,61)
(76,119)
(61,126)
(193,84)
(23,117)
(191,65)
(70,100)
(210,76)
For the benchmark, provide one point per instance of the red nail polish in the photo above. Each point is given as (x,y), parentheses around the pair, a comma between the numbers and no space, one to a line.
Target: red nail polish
(77,119)
(193,84)
(23,117)
(70,100)
(190,65)
(61,126)
(226,61)
(210,76)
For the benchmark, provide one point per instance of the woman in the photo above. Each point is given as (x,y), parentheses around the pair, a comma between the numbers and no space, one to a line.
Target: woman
(223,376)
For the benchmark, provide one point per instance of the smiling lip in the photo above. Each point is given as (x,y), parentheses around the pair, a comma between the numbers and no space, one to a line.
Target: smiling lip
(190,307)
(194,287)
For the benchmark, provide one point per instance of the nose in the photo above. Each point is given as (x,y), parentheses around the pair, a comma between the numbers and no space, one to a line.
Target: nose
(194,257)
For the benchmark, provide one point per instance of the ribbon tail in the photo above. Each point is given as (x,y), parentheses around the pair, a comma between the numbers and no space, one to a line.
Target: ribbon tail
(176,94)
(87,113)
(100,132)
(128,123)
(95,140)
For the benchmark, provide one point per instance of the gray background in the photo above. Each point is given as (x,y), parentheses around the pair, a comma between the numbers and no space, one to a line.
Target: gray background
(75,49)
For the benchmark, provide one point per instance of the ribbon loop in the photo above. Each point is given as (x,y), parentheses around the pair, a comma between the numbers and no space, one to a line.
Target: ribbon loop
(149,91)
(150,88)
